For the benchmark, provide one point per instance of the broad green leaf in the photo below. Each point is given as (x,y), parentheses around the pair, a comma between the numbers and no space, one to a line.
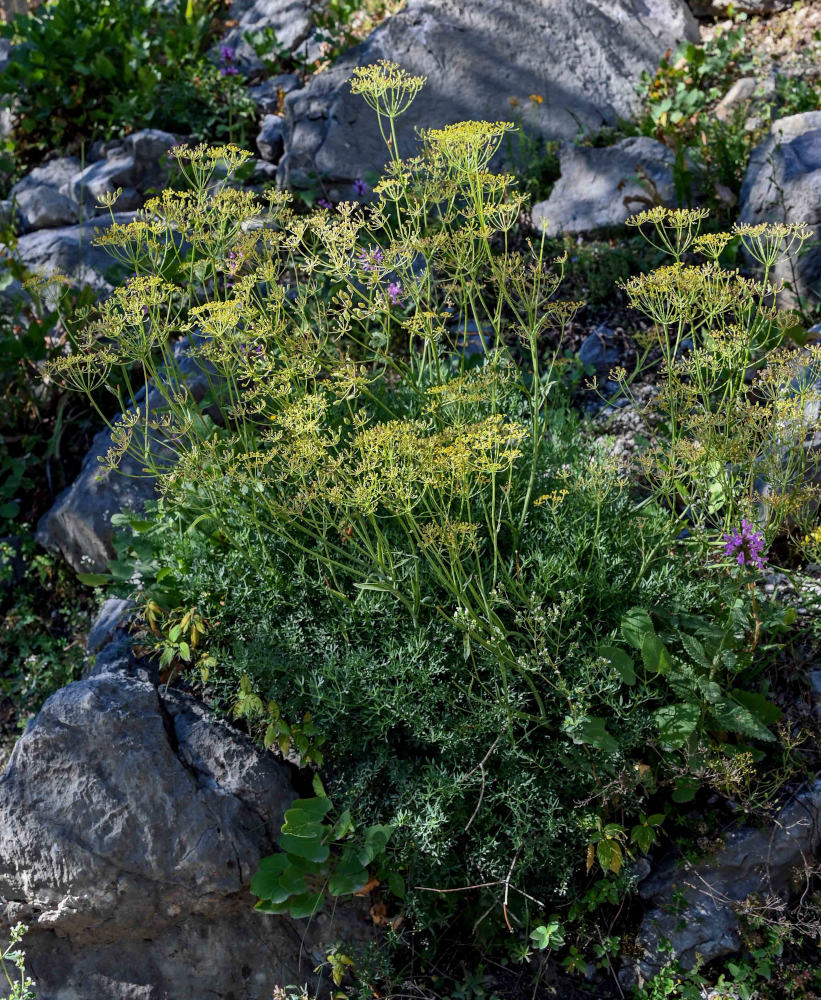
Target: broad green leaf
(677,722)
(635,625)
(344,826)
(765,711)
(685,788)
(396,884)
(305,905)
(94,579)
(302,824)
(622,663)
(345,883)
(654,655)
(265,883)
(301,847)
(609,855)
(376,838)
(317,808)
(593,731)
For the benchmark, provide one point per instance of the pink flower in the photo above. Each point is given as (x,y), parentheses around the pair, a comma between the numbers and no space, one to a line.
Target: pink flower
(395,293)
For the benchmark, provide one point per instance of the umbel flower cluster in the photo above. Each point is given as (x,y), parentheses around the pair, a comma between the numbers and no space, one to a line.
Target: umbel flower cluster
(308,328)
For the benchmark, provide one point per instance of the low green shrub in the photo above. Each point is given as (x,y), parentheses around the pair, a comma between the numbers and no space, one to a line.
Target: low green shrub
(410,566)
(680,98)
(88,69)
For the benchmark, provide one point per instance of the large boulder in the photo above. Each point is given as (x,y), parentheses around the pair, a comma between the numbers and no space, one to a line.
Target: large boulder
(693,908)
(783,184)
(601,187)
(69,250)
(582,57)
(131,823)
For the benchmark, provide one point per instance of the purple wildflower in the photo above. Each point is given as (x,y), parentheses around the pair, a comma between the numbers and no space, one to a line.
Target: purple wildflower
(746,545)
(227,55)
(360,187)
(369,260)
(235,259)
(395,293)
(324,203)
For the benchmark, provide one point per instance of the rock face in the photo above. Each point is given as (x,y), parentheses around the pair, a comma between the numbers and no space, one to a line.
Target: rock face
(584,58)
(131,823)
(603,187)
(289,20)
(68,250)
(783,184)
(752,861)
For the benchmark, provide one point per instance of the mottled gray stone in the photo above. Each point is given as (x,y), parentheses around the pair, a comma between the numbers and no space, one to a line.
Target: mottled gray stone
(269,140)
(54,174)
(131,823)
(783,184)
(44,208)
(583,57)
(291,21)
(601,350)
(103,178)
(703,922)
(599,188)
(108,623)
(68,250)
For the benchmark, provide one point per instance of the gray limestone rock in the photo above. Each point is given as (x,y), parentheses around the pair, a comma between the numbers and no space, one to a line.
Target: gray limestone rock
(752,861)
(131,823)
(290,20)
(783,184)
(583,57)
(269,140)
(599,188)
(69,250)
(45,208)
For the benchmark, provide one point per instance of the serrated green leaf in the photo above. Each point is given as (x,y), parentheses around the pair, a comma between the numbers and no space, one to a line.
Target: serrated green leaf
(732,715)
(695,650)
